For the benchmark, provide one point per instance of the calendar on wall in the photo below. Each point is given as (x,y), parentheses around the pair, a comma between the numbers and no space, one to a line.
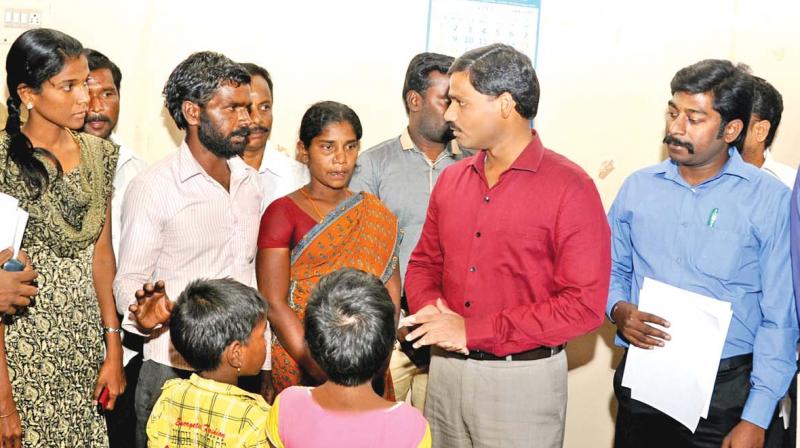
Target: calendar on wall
(455,26)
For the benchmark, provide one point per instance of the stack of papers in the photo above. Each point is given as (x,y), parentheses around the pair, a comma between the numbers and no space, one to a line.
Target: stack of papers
(678,378)
(12,223)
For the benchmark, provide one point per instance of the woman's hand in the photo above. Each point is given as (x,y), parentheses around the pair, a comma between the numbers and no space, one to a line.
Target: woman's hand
(111,376)
(10,424)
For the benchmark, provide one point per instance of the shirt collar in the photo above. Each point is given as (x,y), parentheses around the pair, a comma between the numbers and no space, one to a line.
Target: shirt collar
(125,154)
(272,161)
(529,159)
(735,166)
(189,167)
(407,144)
(217,387)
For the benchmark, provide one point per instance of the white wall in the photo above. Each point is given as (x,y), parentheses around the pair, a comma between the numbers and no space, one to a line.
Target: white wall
(604,69)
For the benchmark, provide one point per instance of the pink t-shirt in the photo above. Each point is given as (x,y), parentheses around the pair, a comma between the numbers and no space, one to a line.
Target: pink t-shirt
(296,420)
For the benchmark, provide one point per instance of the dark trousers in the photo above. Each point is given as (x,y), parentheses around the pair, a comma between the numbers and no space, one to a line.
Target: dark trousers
(151,377)
(121,422)
(639,425)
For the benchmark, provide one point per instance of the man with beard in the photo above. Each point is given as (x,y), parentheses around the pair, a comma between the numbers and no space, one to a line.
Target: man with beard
(194,214)
(402,172)
(278,173)
(707,222)
(512,262)
(104,83)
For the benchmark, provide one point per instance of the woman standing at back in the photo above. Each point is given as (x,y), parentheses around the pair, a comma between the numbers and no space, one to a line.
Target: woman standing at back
(52,354)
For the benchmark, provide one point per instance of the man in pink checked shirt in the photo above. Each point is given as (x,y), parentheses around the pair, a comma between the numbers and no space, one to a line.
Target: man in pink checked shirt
(195,214)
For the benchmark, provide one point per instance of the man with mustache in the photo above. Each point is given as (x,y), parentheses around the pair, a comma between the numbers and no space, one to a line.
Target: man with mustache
(278,173)
(402,172)
(513,262)
(194,214)
(104,83)
(707,222)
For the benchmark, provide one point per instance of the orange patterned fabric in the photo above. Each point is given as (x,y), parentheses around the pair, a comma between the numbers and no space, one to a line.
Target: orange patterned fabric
(360,233)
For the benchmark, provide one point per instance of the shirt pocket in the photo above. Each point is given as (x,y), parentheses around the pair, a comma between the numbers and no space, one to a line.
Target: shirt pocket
(720,252)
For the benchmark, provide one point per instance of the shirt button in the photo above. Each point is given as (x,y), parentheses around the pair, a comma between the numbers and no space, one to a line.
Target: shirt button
(473,269)
(477,234)
(684,224)
(467,304)
(678,260)
(486,198)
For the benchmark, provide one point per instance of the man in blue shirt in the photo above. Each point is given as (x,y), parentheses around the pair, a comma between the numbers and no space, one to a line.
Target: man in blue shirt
(706,221)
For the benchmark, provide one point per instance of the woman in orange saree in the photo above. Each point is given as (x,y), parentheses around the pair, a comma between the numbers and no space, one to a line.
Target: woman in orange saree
(316,230)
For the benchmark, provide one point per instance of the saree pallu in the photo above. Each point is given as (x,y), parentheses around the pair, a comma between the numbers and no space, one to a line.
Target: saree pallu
(359,233)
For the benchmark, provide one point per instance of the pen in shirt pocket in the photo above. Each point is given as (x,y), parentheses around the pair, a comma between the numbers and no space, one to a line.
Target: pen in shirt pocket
(712,217)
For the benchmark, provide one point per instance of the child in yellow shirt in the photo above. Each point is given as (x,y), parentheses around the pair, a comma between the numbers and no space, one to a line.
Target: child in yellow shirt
(218,327)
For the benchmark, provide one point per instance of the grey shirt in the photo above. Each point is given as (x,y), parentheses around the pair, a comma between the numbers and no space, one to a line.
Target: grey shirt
(403,177)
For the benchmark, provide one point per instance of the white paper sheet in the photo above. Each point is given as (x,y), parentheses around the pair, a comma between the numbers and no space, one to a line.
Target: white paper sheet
(678,379)
(13,221)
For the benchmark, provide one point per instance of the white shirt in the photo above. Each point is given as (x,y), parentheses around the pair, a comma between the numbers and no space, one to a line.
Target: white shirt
(279,175)
(781,171)
(128,166)
(179,224)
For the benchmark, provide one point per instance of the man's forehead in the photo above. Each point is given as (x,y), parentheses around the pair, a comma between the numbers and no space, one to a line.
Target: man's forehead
(231,91)
(101,76)
(702,102)
(459,81)
(259,86)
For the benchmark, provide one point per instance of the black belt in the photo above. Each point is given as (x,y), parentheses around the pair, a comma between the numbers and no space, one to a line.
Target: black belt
(530,355)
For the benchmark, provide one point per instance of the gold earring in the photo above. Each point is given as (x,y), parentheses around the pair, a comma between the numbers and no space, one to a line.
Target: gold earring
(29,105)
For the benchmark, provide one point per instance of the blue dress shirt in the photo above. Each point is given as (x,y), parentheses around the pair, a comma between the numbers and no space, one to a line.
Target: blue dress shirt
(795,240)
(726,238)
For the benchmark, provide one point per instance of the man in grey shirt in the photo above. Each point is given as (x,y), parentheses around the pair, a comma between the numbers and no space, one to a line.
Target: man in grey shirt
(402,172)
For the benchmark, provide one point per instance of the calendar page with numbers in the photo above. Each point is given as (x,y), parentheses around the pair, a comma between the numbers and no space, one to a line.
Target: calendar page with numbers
(455,26)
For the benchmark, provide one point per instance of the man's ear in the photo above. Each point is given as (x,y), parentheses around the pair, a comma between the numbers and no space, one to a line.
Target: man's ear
(760,130)
(413,101)
(191,113)
(507,104)
(732,130)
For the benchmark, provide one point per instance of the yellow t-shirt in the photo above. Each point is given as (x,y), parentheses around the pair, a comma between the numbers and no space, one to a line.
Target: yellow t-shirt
(204,413)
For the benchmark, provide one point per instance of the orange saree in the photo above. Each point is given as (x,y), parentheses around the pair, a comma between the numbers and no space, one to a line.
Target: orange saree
(359,233)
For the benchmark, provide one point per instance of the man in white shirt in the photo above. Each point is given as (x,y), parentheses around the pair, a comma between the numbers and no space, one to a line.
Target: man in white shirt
(764,121)
(104,83)
(278,173)
(194,214)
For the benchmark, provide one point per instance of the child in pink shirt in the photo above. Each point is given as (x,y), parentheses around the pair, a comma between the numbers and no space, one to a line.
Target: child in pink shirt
(350,331)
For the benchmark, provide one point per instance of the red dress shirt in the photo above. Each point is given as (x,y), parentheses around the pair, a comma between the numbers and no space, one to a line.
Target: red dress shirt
(526,263)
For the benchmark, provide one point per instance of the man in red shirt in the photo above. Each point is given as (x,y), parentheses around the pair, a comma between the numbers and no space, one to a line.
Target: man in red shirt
(513,262)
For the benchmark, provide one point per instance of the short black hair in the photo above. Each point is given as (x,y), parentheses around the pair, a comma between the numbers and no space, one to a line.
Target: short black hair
(419,69)
(349,326)
(197,78)
(209,315)
(767,105)
(257,70)
(731,87)
(498,68)
(98,60)
(321,114)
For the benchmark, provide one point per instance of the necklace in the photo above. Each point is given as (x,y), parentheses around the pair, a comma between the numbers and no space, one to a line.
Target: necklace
(313,204)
